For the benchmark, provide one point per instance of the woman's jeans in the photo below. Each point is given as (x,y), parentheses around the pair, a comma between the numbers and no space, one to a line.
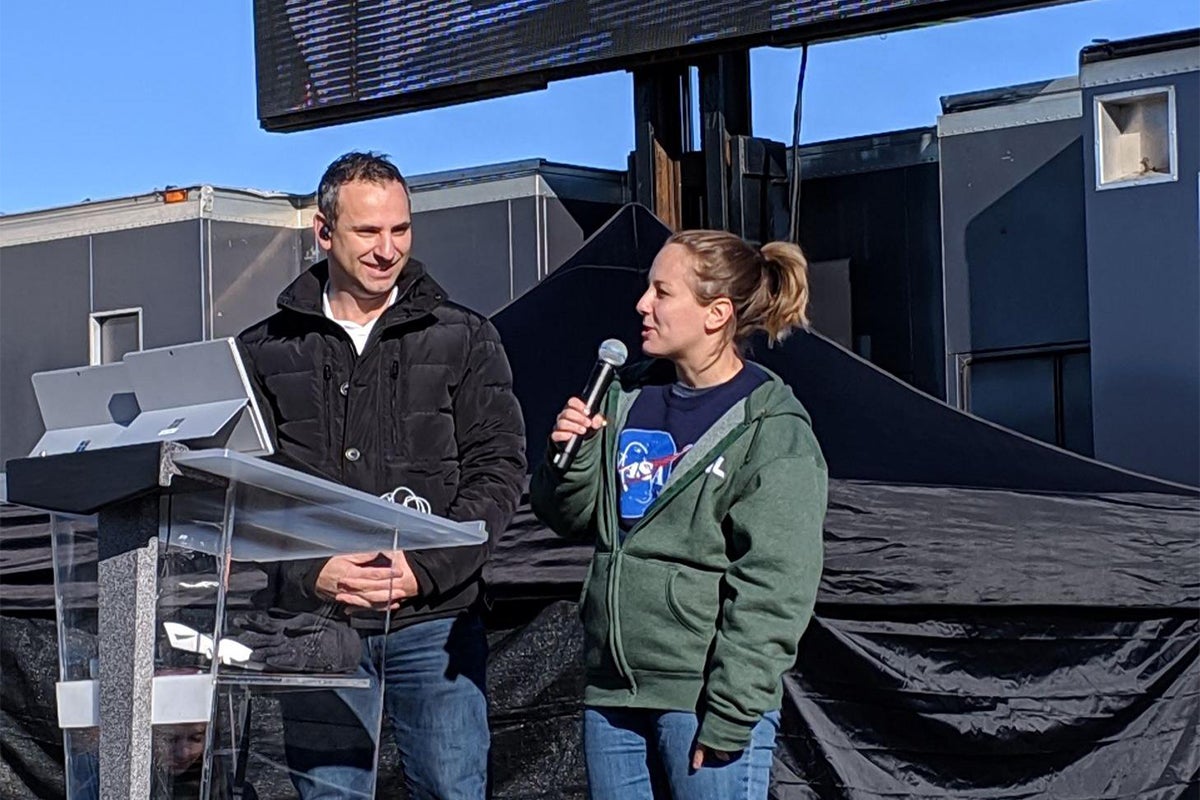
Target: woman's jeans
(643,754)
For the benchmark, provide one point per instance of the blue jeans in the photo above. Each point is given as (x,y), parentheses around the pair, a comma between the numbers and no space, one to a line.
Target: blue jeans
(643,754)
(433,678)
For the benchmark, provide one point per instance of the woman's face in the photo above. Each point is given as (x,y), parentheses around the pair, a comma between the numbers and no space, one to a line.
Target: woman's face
(180,746)
(673,320)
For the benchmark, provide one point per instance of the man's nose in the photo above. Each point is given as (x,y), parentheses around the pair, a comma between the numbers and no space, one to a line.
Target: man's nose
(385,248)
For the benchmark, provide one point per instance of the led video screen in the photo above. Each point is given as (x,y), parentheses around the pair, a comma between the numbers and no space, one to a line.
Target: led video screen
(321,62)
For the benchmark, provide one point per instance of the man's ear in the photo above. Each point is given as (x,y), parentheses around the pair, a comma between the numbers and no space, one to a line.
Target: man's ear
(321,230)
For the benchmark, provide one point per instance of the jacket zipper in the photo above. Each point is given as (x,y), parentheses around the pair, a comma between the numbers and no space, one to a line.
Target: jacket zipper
(330,416)
(611,600)
(393,417)
(614,563)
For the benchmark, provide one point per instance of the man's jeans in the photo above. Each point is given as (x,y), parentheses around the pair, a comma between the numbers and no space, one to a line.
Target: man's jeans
(433,676)
(642,754)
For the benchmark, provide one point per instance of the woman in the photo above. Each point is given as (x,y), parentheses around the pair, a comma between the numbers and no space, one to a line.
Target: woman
(705,498)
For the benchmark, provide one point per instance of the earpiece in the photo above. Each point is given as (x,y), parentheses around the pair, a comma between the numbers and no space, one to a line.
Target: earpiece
(324,232)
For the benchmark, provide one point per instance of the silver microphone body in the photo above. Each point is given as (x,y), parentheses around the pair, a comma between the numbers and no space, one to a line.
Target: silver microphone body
(612,354)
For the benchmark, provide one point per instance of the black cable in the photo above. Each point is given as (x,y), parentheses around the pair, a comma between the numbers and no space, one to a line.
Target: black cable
(794,178)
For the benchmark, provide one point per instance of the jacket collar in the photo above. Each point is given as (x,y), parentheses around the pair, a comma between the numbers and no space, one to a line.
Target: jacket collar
(418,293)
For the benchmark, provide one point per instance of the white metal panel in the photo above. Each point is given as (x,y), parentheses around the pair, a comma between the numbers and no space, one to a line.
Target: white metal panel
(480,192)
(139,211)
(1140,68)
(1046,107)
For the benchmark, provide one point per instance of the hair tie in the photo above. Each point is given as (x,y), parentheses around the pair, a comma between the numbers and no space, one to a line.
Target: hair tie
(773,270)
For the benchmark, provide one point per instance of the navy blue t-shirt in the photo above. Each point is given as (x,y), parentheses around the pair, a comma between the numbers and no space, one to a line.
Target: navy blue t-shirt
(663,424)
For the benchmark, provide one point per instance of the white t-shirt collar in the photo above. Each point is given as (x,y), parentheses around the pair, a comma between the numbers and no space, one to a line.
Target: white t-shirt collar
(358,333)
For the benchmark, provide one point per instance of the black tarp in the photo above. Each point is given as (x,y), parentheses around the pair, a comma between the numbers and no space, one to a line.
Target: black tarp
(997,618)
(871,425)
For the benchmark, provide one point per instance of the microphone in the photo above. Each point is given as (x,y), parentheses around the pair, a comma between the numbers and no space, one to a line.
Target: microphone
(612,355)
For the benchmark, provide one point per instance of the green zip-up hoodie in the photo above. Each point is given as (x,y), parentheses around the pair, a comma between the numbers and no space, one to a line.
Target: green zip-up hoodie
(702,606)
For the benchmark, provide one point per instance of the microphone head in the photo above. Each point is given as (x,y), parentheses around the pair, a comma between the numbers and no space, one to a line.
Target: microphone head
(613,352)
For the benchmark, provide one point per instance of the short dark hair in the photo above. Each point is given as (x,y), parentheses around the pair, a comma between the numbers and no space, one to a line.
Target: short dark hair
(351,167)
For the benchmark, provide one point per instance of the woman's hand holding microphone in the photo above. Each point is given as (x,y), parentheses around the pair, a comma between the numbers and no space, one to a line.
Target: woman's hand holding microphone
(573,421)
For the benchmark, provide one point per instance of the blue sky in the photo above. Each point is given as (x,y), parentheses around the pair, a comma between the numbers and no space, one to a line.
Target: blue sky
(101,100)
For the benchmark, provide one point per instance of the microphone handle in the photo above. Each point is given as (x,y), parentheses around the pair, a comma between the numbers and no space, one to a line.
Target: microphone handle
(597,385)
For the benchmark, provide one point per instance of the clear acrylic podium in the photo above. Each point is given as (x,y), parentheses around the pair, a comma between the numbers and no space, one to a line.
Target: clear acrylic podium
(180,650)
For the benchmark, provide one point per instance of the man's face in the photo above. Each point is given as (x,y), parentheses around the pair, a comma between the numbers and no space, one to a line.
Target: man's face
(372,239)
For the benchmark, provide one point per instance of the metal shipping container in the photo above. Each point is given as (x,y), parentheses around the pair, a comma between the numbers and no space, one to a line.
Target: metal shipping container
(1141,107)
(869,225)
(1014,259)
(86,283)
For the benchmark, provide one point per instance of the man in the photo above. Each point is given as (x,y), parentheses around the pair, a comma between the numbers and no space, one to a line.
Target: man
(376,380)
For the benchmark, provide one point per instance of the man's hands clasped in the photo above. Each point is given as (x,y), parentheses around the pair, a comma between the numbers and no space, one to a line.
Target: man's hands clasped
(369,581)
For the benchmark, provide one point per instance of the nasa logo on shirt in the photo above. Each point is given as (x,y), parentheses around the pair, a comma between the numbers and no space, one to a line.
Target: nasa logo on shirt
(644,464)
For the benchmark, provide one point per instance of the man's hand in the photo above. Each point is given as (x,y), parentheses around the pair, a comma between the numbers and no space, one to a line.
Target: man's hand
(701,752)
(368,580)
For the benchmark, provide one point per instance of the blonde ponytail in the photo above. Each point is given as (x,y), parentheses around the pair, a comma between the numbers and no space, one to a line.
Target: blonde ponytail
(768,287)
(787,306)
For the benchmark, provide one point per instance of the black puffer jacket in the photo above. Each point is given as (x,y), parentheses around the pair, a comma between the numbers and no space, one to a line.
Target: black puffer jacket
(428,405)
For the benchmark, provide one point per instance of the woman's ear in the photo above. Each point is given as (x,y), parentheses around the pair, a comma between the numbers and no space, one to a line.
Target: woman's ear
(720,313)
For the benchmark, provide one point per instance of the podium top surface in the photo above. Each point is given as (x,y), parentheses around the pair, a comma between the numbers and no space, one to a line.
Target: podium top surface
(282,513)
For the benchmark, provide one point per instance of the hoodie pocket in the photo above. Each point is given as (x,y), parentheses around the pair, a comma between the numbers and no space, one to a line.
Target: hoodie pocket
(691,618)
(666,616)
